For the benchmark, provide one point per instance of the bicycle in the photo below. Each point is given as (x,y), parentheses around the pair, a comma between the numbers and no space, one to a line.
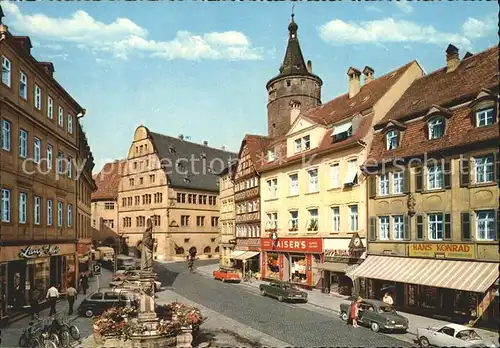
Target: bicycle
(247,277)
(61,327)
(35,336)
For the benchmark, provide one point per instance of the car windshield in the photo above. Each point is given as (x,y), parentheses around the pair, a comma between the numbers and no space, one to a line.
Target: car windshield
(468,335)
(387,309)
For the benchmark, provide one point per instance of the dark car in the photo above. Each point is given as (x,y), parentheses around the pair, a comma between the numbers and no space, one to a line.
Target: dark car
(97,302)
(377,315)
(283,291)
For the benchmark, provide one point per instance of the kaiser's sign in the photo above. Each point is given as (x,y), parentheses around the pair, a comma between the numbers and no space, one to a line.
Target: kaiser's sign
(31,252)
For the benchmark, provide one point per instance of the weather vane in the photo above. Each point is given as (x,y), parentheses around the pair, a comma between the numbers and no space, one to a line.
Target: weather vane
(293,8)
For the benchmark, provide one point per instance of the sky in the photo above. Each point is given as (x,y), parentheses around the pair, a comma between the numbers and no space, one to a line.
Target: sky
(200,68)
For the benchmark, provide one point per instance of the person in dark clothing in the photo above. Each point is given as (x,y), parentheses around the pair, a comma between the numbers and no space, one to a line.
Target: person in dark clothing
(34,303)
(84,281)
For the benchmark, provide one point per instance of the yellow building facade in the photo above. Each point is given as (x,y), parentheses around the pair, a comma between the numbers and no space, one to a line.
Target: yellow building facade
(227,216)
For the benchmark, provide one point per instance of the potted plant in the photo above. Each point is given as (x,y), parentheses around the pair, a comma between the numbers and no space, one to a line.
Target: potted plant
(313,225)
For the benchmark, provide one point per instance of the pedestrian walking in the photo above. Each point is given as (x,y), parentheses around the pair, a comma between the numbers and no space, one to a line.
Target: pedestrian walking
(355,312)
(35,303)
(52,296)
(71,295)
(84,282)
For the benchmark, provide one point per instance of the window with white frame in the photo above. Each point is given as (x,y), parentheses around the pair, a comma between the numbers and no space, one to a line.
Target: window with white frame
(60,162)
(485,117)
(23,85)
(383,227)
(484,169)
(23,198)
(272,188)
(6,135)
(271,155)
(272,219)
(6,66)
(298,145)
(50,107)
(313,219)
(485,225)
(335,219)
(23,143)
(436,127)
(36,216)
(352,173)
(38,97)
(5,216)
(49,156)
(70,215)
(70,124)
(397,182)
(398,227)
(60,117)
(294,184)
(434,177)
(49,212)
(69,167)
(59,214)
(353,218)
(294,220)
(435,226)
(392,138)
(37,148)
(335,175)
(313,180)
(384,184)
(306,143)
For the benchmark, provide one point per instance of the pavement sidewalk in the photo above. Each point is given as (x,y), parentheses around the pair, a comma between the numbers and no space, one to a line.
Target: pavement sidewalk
(12,332)
(332,302)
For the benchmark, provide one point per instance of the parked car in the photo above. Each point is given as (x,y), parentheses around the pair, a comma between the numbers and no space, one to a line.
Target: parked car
(377,315)
(451,335)
(283,291)
(103,299)
(126,263)
(124,277)
(226,275)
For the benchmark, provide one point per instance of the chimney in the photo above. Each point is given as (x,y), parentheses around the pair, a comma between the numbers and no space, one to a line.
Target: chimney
(205,143)
(452,59)
(467,55)
(294,110)
(309,67)
(181,136)
(223,148)
(368,72)
(354,81)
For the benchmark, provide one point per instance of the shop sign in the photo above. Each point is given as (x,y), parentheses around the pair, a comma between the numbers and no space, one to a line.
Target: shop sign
(354,249)
(33,252)
(446,250)
(248,244)
(305,245)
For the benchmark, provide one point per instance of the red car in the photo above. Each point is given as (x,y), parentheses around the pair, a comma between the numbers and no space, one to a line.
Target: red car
(226,275)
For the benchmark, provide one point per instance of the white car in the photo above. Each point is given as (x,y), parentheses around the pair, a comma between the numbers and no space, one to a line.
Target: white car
(451,335)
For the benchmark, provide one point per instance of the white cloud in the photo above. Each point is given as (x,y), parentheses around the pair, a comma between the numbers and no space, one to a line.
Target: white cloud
(62,56)
(123,37)
(404,6)
(390,30)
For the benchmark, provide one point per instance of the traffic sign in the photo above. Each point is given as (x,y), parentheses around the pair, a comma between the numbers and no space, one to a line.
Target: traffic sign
(96,269)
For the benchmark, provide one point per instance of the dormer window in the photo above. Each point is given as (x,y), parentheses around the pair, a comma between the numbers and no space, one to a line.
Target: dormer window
(342,131)
(392,138)
(436,128)
(302,144)
(485,117)
(271,155)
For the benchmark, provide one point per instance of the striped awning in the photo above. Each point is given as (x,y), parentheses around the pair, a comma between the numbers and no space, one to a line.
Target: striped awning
(332,267)
(246,255)
(460,275)
(236,253)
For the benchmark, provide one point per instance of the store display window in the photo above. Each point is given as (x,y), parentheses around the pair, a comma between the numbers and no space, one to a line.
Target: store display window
(429,297)
(70,271)
(411,295)
(298,266)
(272,266)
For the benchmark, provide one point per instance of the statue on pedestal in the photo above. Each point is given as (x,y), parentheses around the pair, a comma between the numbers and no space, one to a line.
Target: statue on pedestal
(147,277)
(147,248)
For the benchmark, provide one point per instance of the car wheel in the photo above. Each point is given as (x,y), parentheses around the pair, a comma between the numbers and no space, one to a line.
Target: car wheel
(262,292)
(344,316)
(375,327)
(280,298)
(89,313)
(424,342)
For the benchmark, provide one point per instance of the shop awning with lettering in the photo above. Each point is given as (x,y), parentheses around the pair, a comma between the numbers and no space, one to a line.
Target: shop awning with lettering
(332,266)
(236,253)
(460,275)
(246,255)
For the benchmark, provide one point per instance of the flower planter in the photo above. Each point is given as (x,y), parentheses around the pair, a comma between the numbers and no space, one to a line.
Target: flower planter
(185,337)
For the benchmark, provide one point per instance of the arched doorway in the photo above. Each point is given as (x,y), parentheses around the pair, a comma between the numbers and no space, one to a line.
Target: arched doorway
(217,250)
(179,251)
(207,250)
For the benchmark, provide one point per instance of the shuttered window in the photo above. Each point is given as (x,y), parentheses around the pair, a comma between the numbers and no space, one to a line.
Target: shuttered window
(420,227)
(465,225)
(373,228)
(419,180)
(447,226)
(464,172)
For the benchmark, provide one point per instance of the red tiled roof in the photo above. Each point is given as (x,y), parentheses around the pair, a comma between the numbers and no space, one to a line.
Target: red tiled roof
(256,145)
(441,88)
(107,180)
(336,110)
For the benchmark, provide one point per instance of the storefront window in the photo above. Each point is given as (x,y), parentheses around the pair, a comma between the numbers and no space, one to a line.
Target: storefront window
(411,295)
(298,267)
(272,266)
(316,273)
(70,271)
(429,297)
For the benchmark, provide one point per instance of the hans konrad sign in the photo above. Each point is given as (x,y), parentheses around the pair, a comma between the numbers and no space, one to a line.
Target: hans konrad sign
(31,252)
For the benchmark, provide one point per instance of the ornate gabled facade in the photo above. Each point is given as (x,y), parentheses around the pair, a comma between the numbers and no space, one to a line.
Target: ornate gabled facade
(247,202)
(175,183)
(313,196)
(433,193)
(227,235)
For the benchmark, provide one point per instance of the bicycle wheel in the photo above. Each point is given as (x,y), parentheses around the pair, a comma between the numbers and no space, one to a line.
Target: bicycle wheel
(54,337)
(74,332)
(50,344)
(35,343)
(23,340)
(64,338)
